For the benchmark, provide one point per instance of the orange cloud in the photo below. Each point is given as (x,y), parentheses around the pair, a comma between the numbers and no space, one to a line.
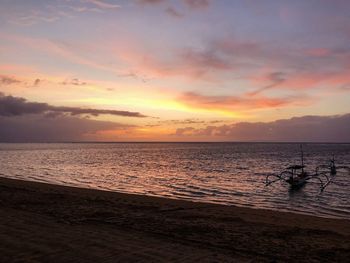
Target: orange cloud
(132,133)
(236,103)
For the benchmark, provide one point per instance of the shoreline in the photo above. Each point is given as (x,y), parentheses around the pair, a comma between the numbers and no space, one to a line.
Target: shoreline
(116,226)
(116,191)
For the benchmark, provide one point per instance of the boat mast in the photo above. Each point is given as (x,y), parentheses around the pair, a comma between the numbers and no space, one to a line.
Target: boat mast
(302,158)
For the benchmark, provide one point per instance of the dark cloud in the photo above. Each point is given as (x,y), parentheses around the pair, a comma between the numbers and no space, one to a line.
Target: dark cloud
(74,81)
(36,82)
(16,106)
(217,121)
(39,128)
(298,129)
(8,80)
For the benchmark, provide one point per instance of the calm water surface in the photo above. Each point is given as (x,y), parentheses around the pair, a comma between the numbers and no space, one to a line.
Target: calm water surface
(226,173)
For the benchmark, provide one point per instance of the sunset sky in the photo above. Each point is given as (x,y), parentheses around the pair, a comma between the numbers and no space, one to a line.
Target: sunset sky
(174,70)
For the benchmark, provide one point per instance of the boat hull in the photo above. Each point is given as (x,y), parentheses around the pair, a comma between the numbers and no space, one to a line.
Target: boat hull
(296,182)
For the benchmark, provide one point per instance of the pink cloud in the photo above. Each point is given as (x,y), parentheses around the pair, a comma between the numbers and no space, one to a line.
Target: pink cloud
(318,52)
(300,80)
(190,63)
(233,47)
(205,63)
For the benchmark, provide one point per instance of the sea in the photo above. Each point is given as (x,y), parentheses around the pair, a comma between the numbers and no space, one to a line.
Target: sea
(223,173)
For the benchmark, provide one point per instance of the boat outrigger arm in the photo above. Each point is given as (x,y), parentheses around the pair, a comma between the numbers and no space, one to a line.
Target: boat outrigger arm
(296,176)
(331,168)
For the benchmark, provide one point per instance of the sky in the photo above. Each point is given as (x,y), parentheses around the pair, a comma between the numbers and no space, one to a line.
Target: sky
(174,70)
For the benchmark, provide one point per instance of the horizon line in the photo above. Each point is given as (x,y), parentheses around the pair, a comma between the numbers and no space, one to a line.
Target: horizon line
(111,142)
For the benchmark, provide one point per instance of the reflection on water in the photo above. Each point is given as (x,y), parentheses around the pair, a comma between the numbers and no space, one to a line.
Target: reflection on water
(227,173)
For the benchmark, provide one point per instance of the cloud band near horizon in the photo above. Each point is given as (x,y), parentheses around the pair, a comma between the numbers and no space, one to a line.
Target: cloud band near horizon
(335,128)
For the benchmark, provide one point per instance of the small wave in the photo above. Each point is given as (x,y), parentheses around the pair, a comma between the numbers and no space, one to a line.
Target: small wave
(218,170)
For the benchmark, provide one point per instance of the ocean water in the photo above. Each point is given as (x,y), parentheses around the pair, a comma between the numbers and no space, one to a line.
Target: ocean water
(225,173)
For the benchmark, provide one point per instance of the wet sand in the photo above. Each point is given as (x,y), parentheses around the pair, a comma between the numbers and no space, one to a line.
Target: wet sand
(49,223)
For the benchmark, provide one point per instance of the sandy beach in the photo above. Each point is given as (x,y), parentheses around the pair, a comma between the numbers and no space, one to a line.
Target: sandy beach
(50,223)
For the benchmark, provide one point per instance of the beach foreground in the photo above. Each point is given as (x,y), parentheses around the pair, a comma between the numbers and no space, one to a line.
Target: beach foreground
(48,223)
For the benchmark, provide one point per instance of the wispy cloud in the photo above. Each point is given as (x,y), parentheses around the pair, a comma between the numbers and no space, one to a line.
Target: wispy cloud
(102,4)
(301,80)
(8,80)
(275,79)
(56,11)
(61,49)
(173,7)
(205,62)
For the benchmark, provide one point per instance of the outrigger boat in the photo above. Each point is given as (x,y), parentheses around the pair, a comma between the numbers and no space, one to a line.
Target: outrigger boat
(330,169)
(296,176)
